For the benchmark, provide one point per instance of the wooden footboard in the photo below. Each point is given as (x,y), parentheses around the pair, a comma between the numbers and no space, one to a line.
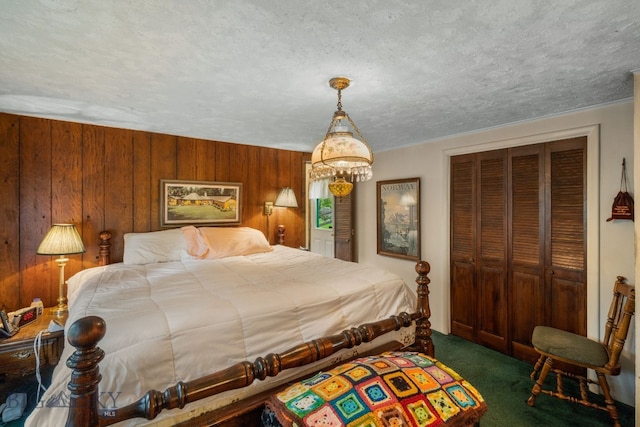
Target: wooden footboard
(85,334)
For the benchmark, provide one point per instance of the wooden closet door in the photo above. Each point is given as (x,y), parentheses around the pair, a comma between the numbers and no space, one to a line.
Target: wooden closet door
(565,243)
(518,245)
(463,246)
(491,250)
(526,248)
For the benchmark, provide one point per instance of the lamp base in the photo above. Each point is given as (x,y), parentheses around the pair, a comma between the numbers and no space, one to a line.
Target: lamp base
(59,310)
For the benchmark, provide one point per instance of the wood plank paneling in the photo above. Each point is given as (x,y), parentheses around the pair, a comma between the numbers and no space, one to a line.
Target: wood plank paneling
(66,179)
(187,159)
(106,178)
(9,214)
(35,209)
(266,187)
(142,182)
(222,163)
(93,190)
(163,166)
(118,200)
(206,151)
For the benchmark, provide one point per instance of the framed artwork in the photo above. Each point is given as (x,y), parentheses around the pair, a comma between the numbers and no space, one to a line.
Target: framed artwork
(200,203)
(398,203)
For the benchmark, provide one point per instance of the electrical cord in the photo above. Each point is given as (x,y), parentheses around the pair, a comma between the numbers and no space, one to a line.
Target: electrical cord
(37,345)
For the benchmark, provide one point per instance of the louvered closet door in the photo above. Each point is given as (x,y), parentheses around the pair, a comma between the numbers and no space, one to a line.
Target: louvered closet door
(565,241)
(526,250)
(491,247)
(518,245)
(463,246)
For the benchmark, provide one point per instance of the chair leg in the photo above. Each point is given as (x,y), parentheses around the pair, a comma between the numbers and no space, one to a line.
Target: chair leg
(537,387)
(611,406)
(536,367)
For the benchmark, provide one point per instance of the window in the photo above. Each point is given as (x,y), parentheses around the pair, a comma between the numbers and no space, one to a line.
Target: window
(324,214)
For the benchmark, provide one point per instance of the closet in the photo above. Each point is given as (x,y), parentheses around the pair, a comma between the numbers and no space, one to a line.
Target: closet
(518,243)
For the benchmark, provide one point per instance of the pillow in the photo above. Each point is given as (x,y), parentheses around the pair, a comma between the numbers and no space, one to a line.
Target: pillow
(154,246)
(394,388)
(221,242)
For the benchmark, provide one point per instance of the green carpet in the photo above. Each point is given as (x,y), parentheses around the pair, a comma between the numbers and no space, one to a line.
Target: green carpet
(505,385)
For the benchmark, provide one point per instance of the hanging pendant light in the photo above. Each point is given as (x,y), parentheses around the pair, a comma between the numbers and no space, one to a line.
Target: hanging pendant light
(341,157)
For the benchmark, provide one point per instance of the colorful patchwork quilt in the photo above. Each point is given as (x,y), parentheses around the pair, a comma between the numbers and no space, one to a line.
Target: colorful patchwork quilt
(391,389)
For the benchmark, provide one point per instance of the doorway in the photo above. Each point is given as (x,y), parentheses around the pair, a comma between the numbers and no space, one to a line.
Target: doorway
(322,226)
(330,223)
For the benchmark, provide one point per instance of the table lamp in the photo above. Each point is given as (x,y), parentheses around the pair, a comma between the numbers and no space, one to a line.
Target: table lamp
(62,239)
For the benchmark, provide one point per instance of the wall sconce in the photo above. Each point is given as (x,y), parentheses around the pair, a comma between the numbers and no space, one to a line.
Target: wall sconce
(62,239)
(286,199)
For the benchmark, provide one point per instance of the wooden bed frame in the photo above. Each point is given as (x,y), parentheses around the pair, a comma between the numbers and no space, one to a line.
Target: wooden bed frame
(85,334)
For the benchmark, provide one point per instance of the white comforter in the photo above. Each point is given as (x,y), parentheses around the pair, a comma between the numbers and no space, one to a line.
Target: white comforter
(178,321)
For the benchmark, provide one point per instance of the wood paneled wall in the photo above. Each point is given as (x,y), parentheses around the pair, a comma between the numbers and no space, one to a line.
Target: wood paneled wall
(101,178)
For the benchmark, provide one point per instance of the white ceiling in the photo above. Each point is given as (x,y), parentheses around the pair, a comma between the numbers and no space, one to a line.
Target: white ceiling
(256,71)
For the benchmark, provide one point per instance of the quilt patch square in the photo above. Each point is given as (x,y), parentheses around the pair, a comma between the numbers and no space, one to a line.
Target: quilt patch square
(443,404)
(316,379)
(439,375)
(382,366)
(472,390)
(461,397)
(305,403)
(358,373)
(449,371)
(332,387)
(401,362)
(325,416)
(400,384)
(376,393)
(295,390)
(421,412)
(393,415)
(350,406)
(419,359)
(422,379)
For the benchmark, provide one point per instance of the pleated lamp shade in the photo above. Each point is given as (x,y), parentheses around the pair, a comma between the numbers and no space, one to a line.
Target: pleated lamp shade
(62,239)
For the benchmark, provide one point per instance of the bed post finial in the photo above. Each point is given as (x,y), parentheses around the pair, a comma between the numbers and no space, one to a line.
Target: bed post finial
(423,325)
(281,230)
(84,334)
(104,256)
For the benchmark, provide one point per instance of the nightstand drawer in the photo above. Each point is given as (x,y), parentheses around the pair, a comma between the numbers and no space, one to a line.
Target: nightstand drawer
(20,359)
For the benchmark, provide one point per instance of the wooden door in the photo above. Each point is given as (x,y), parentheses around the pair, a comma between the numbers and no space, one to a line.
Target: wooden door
(565,242)
(491,250)
(345,232)
(463,246)
(526,249)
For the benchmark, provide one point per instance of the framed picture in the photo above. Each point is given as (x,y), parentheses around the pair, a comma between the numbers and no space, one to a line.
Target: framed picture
(398,203)
(200,203)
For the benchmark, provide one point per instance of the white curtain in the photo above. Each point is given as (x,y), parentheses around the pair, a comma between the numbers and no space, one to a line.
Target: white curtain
(319,189)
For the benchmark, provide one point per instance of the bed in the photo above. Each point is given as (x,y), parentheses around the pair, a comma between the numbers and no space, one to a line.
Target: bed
(198,324)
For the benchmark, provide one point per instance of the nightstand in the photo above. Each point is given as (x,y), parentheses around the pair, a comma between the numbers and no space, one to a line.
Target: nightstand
(17,357)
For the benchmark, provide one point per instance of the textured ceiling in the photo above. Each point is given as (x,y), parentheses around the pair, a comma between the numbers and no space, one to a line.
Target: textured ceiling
(256,72)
